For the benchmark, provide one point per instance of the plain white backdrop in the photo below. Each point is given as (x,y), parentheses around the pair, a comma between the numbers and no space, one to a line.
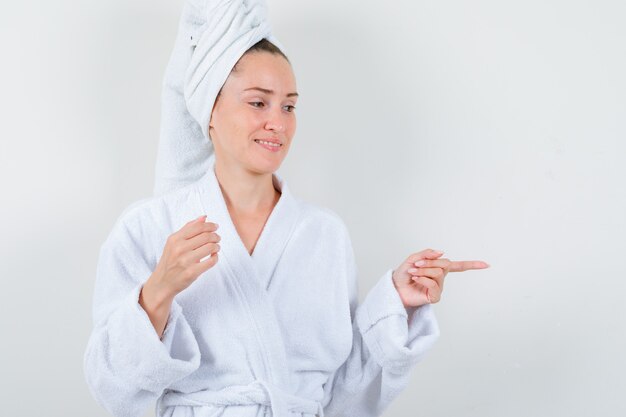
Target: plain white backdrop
(493,130)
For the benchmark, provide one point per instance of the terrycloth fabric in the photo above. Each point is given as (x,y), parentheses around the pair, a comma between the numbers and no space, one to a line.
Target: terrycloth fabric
(281,328)
(212,36)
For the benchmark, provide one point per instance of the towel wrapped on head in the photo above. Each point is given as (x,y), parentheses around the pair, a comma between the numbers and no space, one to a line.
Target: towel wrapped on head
(212,36)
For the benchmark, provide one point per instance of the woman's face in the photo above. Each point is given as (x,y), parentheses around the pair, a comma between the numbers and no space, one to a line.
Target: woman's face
(256,104)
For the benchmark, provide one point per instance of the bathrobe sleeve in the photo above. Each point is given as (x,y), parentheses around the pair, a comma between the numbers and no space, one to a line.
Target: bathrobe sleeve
(388,340)
(126,365)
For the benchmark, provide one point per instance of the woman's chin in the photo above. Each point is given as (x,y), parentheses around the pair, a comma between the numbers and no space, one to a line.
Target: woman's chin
(267,164)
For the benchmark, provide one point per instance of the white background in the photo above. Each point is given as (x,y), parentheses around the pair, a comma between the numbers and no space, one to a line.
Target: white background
(493,130)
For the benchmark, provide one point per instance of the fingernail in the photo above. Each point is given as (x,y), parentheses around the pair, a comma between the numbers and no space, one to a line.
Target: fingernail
(413,270)
(437,250)
(420,262)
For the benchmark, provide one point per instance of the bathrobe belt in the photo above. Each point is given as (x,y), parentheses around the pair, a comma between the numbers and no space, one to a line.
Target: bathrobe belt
(258,392)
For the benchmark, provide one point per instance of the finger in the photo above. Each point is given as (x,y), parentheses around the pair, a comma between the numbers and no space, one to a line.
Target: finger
(433,273)
(425,272)
(196,227)
(425,254)
(434,292)
(207,249)
(204,265)
(200,239)
(443,263)
(197,219)
(460,266)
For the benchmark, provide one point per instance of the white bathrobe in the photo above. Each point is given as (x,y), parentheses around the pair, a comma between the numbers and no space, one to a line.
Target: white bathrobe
(278,330)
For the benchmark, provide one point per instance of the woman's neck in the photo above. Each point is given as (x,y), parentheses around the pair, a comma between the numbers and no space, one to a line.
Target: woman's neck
(244,191)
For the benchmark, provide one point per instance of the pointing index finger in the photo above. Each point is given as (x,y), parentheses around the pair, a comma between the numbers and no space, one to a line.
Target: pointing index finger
(460,266)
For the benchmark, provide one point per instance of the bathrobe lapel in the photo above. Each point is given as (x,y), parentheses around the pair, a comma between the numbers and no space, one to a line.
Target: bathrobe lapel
(251,276)
(276,233)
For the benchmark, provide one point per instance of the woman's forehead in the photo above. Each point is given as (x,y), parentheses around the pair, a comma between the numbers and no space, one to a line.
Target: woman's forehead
(264,73)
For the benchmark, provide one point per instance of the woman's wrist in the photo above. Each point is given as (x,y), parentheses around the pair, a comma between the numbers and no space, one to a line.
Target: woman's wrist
(155,296)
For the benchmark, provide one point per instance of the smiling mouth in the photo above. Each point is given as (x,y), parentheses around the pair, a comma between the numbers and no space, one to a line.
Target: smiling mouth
(264,142)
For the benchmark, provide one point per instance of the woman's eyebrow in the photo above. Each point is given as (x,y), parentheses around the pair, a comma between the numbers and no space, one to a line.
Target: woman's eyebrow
(265,90)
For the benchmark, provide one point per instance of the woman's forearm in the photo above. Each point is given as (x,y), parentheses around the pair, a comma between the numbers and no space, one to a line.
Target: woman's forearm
(156,304)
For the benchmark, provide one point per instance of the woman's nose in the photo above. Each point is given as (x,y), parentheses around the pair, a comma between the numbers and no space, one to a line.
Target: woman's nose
(275,123)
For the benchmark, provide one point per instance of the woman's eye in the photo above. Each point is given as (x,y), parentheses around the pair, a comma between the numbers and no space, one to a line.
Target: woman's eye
(259,104)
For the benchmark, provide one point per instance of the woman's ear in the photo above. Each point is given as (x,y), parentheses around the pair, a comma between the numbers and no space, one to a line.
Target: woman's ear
(215,104)
(211,121)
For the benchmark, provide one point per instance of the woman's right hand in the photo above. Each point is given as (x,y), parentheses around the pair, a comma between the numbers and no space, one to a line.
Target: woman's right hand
(180,263)
(178,268)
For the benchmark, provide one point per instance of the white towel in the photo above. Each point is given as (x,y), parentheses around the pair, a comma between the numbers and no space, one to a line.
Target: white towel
(212,36)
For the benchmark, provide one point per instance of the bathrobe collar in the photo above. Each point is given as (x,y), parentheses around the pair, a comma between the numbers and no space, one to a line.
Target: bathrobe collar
(274,236)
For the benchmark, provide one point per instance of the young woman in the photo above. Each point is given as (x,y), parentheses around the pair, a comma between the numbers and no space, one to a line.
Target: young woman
(231,297)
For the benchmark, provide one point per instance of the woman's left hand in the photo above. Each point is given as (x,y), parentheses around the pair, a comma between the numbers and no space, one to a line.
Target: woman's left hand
(419,279)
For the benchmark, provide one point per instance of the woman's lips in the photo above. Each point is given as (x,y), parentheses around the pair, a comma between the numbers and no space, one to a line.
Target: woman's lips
(266,145)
